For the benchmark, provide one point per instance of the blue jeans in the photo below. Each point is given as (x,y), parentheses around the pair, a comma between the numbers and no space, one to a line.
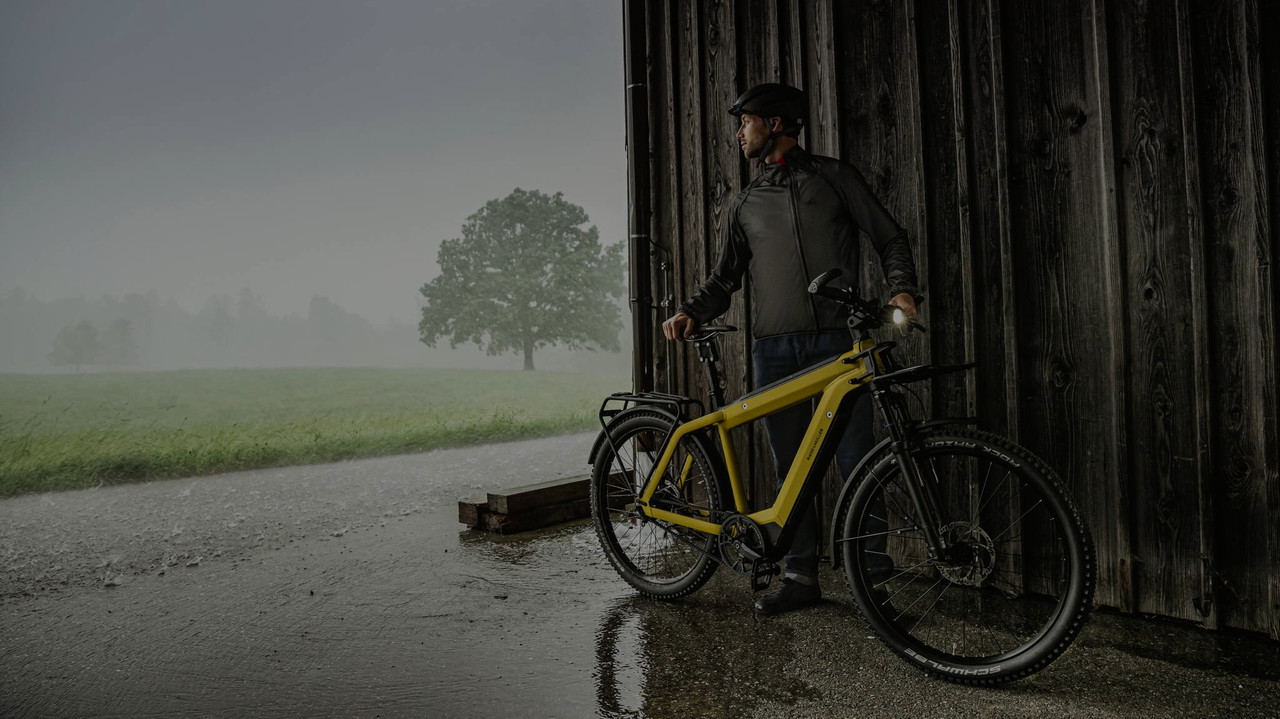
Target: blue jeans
(775,358)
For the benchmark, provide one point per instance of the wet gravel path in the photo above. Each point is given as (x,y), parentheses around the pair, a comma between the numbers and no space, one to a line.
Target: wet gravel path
(350,590)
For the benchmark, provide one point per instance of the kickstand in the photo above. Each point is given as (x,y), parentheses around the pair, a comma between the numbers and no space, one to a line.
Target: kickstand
(762,573)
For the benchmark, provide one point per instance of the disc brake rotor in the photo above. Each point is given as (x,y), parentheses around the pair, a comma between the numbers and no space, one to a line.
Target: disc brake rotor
(972,554)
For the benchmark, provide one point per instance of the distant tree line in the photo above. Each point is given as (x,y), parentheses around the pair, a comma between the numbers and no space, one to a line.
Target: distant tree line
(140,331)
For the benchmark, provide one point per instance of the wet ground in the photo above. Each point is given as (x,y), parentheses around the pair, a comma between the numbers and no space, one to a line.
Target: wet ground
(351,590)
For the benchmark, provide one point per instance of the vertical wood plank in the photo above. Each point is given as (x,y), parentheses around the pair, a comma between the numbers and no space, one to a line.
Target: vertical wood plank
(1168,434)
(665,183)
(1111,282)
(697,245)
(995,315)
(758,42)
(1269,17)
(946,243)
(1199,308)
(821,137)
(1241,304)
(791,45)
(1063,262)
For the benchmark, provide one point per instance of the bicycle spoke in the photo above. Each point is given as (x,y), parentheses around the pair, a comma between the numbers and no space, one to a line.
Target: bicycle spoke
(1019,519)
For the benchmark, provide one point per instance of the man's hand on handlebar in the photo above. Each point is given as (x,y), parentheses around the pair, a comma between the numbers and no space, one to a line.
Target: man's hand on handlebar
(679,326)
(905,302)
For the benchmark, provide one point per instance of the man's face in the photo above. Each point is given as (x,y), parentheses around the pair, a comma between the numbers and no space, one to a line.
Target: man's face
(753,133)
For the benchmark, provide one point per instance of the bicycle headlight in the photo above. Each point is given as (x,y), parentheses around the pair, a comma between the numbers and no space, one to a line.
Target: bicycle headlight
(899,316)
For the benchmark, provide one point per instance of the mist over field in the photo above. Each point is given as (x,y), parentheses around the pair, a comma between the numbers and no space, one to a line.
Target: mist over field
(144,332)
(247,184)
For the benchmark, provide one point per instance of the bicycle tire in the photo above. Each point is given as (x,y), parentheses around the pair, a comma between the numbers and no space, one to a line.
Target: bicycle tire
(658,559)
(1015,590)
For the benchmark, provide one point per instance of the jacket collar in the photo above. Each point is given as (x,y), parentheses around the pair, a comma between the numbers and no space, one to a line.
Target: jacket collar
(795,155)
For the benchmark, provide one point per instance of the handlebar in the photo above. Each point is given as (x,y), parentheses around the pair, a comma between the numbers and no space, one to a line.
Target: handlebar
(863,314)
(707,332)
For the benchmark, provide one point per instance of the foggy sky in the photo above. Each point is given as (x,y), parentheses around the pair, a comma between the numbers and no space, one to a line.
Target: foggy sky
(293,147)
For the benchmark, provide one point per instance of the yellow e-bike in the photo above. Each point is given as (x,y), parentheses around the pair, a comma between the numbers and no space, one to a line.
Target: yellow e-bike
(962,550)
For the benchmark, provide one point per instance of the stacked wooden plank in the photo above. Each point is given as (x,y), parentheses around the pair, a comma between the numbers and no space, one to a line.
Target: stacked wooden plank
(528,507)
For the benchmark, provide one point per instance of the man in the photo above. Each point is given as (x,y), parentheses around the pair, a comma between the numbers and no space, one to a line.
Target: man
(800,217)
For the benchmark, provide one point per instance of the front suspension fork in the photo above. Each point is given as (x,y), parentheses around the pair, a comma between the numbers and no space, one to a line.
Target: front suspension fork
(922,492)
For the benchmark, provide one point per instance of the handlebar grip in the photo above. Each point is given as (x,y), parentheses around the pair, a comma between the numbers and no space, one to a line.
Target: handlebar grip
(817,285)
(831,293)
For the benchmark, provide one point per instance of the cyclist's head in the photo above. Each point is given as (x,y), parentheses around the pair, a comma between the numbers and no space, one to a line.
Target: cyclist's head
(772,100)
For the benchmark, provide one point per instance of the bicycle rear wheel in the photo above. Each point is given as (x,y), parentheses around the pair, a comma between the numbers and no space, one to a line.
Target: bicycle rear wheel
(1016,583)
(659,559)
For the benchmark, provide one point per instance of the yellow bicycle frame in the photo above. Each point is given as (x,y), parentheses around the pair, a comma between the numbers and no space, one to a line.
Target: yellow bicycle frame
(832,381)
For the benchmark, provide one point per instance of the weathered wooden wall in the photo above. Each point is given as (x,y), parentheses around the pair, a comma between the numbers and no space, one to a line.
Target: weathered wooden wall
(1092,188)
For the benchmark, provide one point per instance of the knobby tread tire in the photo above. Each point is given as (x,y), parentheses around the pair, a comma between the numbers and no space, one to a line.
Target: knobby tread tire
(1073,608)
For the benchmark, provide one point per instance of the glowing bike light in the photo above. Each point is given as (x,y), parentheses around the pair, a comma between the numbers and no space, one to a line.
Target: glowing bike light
(898,316)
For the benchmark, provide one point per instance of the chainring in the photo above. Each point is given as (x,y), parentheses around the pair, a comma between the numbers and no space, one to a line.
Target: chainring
(741,543)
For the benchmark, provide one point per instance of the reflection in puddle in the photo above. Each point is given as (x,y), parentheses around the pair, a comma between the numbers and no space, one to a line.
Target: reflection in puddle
(706,657)
(620,664)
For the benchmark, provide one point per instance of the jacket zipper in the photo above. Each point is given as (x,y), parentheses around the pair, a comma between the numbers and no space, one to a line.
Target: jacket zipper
(795,231)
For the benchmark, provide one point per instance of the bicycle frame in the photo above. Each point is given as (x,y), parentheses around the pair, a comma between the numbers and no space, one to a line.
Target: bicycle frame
(847,374)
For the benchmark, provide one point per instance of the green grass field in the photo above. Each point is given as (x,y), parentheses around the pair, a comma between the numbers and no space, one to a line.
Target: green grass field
(74,431)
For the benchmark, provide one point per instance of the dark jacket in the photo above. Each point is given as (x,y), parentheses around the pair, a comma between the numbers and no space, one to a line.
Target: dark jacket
(799,218)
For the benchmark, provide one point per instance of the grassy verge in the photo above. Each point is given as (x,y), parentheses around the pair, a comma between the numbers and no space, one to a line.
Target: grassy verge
(75,431)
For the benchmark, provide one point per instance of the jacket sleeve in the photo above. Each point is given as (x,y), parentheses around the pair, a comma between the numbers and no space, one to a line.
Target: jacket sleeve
(713,296)
(887,236)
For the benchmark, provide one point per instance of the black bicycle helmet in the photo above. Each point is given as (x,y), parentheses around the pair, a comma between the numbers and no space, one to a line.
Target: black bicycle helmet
(774,99)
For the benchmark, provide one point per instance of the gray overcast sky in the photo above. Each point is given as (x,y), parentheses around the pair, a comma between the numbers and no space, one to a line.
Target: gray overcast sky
(294,147)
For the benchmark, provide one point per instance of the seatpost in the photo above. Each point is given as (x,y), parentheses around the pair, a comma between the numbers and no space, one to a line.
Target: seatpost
(708,355)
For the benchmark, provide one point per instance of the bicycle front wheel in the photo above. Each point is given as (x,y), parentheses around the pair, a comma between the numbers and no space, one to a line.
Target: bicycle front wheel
(1013,585)
(660,559)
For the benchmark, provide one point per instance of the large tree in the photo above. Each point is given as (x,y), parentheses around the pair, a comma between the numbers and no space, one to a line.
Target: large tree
(527,273)
(76,345)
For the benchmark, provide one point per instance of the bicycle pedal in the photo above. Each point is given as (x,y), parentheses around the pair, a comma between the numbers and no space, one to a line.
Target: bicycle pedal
(762,574)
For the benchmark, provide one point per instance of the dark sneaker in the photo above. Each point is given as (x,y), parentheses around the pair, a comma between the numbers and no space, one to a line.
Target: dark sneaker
(790,596)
